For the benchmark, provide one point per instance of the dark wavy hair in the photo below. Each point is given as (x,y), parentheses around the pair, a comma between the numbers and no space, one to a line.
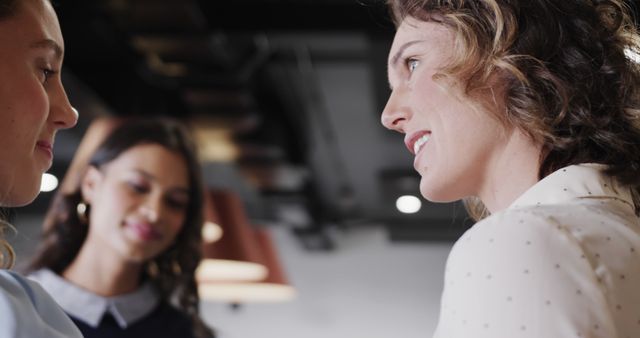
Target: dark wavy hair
(7,8)
(570,83)
(65,233)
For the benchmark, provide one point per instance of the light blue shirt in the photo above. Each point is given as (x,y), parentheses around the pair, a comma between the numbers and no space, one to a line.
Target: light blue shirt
(27,311)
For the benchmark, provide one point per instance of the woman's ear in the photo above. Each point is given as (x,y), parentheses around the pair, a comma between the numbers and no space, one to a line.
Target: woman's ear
(90,181)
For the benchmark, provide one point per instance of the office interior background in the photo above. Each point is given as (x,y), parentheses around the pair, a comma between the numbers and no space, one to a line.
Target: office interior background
(284,98)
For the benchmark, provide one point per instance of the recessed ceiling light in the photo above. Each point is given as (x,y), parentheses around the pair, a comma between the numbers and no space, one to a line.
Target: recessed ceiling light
(408,204)
(48,183)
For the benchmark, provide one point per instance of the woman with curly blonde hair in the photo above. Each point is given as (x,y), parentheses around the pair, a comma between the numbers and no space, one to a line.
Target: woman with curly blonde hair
(528,110)
(34,108)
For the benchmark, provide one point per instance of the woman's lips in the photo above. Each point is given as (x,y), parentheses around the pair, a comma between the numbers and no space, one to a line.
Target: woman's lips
(411,139)
(144,231)
(46,147)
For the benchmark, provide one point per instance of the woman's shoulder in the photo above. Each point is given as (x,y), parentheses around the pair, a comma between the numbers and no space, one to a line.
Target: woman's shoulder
(540,238)
(20,291)
(519,236)
(22,301)
(565,263)
(166,312)
(164,321)
(520,222)
(581,222)
(554,218)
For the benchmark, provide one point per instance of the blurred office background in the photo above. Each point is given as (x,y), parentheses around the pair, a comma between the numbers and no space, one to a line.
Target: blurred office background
(284,97)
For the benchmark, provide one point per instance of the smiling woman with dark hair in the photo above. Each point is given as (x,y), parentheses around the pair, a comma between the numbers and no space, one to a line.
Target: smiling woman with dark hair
(122,243)
(530,111)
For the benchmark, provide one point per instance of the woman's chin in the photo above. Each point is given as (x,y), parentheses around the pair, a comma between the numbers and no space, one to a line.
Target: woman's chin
(437,193)
(20,198)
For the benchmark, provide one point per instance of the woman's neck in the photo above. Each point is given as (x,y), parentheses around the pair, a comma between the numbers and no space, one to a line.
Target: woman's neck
(105,275)
(512,172)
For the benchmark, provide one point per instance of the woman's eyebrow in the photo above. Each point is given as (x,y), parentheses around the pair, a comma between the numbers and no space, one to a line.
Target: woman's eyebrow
(394,60)
(179,189)
(48,44)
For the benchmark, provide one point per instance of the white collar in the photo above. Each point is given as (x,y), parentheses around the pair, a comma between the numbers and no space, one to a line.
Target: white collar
(90,308)
(581,181)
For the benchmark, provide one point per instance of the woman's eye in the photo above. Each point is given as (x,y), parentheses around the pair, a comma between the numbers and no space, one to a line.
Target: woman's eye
(412,64)
(46,74)
(176,204)
(139,188)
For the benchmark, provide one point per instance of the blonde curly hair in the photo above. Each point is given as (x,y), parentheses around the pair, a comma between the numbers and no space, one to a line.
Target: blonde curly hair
(7,255)
(570,83)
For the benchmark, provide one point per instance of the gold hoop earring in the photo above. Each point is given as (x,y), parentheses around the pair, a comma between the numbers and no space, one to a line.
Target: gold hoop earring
(81,211)
(152,269)
(175,267)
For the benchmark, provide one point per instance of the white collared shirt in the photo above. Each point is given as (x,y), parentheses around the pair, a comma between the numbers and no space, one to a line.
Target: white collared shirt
(90,308)
(562,261)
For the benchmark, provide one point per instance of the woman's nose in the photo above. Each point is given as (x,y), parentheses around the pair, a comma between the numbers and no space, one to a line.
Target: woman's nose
(395,115)
(151,209)
(61,113)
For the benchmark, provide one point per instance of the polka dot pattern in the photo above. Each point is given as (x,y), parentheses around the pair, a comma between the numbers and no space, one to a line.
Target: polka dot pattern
(560,262)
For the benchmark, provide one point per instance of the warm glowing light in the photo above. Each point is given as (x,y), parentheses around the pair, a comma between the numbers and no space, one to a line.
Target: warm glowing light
(211,232)
(48,183)
(408,204)
(246,292)
(215,144)
(216,270)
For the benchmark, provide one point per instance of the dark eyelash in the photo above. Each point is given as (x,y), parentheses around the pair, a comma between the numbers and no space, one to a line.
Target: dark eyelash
(48,72)
(138,187)
(177,204)
(408,62)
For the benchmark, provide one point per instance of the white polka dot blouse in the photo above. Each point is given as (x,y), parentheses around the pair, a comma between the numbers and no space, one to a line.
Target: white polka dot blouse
(562,261)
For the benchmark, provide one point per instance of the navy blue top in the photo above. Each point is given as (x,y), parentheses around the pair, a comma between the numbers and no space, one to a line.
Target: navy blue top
(163,322)
(140,313)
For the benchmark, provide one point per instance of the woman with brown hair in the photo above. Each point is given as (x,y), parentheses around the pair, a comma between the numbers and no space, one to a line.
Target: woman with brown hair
(34,106)
(121,246)
(529,110)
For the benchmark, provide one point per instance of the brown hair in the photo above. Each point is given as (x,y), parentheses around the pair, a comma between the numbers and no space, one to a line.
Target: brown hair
(569,83)
(7,8)
(65,232)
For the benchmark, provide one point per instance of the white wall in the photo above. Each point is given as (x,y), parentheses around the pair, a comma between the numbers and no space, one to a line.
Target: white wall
(367,288)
